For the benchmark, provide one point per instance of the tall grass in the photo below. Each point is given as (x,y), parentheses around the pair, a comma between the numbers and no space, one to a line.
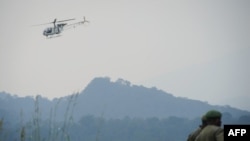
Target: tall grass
(56,132)
(36,128)
(49,130)
(69,117)
(22,134)
(36,120)
(53,128)
(1,129)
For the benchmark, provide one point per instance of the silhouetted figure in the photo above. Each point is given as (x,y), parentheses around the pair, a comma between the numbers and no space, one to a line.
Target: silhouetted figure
(213,131)
(192,136)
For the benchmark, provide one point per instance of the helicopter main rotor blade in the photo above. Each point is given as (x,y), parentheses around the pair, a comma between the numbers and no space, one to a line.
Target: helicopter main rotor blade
(42,24)
(65,20)
(54,21)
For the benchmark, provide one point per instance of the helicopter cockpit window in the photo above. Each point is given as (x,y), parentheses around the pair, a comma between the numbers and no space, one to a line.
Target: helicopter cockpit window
(48,30)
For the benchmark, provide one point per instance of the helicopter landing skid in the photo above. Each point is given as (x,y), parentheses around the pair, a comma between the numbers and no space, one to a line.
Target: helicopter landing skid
(53,36)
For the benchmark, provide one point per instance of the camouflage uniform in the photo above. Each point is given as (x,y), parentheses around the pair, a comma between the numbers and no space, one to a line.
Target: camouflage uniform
(211,133)
(194,134)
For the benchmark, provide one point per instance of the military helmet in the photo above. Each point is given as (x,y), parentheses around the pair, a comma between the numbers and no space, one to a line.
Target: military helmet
(203,118)
(213,114)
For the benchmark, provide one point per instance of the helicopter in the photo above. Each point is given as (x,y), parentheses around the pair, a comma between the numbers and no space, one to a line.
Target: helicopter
(59,26)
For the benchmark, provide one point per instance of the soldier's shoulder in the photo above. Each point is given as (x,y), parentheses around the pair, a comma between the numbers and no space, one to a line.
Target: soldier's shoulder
(195,132)
(213,129)
(209,132)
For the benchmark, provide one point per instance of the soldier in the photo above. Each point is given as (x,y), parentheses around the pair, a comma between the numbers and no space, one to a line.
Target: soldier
(213,131)
(195,133)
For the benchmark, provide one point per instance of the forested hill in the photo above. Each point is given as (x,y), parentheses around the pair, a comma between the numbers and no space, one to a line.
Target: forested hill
(121,98)
(108,99)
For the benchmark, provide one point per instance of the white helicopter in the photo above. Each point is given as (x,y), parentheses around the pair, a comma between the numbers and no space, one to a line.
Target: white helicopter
(59,26)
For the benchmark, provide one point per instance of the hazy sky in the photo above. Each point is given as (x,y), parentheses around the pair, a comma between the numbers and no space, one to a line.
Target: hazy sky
(199,49)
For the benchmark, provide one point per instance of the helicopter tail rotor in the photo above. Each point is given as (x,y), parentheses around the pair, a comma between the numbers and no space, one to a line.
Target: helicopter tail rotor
(84,20)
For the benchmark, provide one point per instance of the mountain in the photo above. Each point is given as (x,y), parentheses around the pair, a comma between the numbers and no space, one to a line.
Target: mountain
(121,98)
(108,99)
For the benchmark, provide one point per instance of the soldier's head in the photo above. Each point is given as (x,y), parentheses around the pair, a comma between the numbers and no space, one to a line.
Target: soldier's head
(213,117)
(204,120)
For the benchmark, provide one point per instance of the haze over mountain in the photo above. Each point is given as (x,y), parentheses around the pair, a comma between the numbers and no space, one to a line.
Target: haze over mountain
(108,99)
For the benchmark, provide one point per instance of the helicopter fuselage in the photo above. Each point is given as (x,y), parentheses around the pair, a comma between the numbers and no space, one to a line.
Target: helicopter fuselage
(57,29)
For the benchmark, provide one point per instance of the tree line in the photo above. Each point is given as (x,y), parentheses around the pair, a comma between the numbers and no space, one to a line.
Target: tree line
(91,128)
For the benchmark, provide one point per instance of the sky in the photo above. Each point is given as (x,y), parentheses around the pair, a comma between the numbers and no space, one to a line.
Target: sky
(197,49)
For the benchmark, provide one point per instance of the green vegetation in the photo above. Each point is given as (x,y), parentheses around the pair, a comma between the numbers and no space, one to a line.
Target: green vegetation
(93,128)
(38,129)
(90,128)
